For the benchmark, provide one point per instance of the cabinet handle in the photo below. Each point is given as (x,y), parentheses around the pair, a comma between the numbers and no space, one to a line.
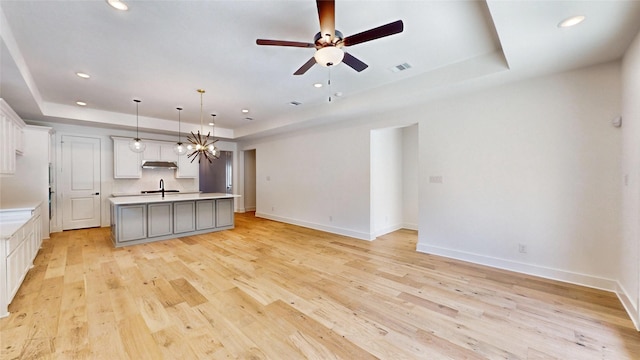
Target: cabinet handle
(97,193)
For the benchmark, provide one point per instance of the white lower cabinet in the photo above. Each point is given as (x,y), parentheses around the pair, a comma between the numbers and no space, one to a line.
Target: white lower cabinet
(184,216)
(18,264)
(131,222)
(17,255)
(206,214)
(160,219)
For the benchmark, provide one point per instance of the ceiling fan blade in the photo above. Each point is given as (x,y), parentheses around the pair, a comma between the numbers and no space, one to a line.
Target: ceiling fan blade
(354,62)
(303,69)
(327,16)
(284,43)
(375,33)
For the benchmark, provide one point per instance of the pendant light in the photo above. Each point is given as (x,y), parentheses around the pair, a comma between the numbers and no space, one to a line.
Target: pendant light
(179,148)
(213,150)
(200,142)
(136,145)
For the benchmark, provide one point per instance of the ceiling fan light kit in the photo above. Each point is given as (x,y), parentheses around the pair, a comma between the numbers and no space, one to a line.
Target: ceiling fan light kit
(329,56)
(329,42)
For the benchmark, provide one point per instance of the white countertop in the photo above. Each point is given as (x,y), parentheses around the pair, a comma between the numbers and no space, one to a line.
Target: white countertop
(19,205)
(15,214)
(170,197)
(151,194)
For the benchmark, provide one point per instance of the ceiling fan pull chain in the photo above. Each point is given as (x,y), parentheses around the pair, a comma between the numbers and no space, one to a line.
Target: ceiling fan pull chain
(329,83)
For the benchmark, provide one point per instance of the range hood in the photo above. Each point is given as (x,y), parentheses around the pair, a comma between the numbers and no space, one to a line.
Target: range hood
(147,164)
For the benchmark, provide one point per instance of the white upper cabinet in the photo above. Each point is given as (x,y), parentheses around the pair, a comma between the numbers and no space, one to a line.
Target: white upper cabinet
(186,168)
(126,163)
(11,138)
(159,151)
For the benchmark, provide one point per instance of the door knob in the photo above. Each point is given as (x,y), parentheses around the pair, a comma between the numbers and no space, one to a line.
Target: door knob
(97,193)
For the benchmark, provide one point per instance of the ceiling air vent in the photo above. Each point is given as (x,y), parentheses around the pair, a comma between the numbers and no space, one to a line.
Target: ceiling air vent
(295,103)
(401,67)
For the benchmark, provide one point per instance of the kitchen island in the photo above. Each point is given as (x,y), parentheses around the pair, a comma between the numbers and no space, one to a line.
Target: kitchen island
(141,219)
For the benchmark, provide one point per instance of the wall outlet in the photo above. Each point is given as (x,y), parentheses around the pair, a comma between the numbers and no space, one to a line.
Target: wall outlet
(522,248)
(435,179)
(330,218)
(273,208)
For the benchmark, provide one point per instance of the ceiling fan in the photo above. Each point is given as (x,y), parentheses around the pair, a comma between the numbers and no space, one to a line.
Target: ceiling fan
(329,42)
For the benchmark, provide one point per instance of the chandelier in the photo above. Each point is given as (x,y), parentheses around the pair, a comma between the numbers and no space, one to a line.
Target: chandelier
(200,146)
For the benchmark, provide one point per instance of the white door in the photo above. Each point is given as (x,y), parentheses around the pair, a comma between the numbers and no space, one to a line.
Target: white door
(80,182)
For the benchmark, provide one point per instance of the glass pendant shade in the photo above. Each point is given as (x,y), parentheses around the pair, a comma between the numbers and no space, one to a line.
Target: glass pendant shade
(136,145)
(179,148)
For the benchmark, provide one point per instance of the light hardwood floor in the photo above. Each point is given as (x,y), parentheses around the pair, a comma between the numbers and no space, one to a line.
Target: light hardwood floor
(277,291)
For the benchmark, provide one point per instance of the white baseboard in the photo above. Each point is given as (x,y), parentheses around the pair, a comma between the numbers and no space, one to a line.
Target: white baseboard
(387,230)
(541,271)
(410,226)
(330,229)
(545,272)
(628,305)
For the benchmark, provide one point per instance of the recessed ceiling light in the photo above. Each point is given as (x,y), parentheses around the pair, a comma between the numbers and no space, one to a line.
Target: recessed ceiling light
(318,85)
(572,21)
(211,124)
(81,103)
(245,111)
(83,75)
(117,4)
(338,94)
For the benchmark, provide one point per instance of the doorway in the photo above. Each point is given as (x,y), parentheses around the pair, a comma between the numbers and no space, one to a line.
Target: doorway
(394,179)
(80,182)
(217,176)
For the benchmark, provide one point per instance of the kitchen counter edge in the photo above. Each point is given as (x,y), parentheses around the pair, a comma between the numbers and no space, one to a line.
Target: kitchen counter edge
(125,200)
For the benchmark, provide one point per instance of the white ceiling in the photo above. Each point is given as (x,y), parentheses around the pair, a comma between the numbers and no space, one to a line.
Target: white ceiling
(162,51)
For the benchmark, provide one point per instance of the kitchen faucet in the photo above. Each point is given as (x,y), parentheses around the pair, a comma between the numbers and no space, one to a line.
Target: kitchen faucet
(162,186)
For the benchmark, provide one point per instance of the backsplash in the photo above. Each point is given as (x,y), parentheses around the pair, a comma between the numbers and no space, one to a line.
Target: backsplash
(150,180)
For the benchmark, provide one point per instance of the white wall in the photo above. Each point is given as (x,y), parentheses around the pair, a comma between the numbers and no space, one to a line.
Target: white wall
(410,186)
(386,180)
(249,195)
(534,163)
(628,266)
(317,178)
(31,179)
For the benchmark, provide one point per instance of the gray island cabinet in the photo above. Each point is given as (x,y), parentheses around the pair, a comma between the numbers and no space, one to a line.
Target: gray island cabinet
(141,219)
